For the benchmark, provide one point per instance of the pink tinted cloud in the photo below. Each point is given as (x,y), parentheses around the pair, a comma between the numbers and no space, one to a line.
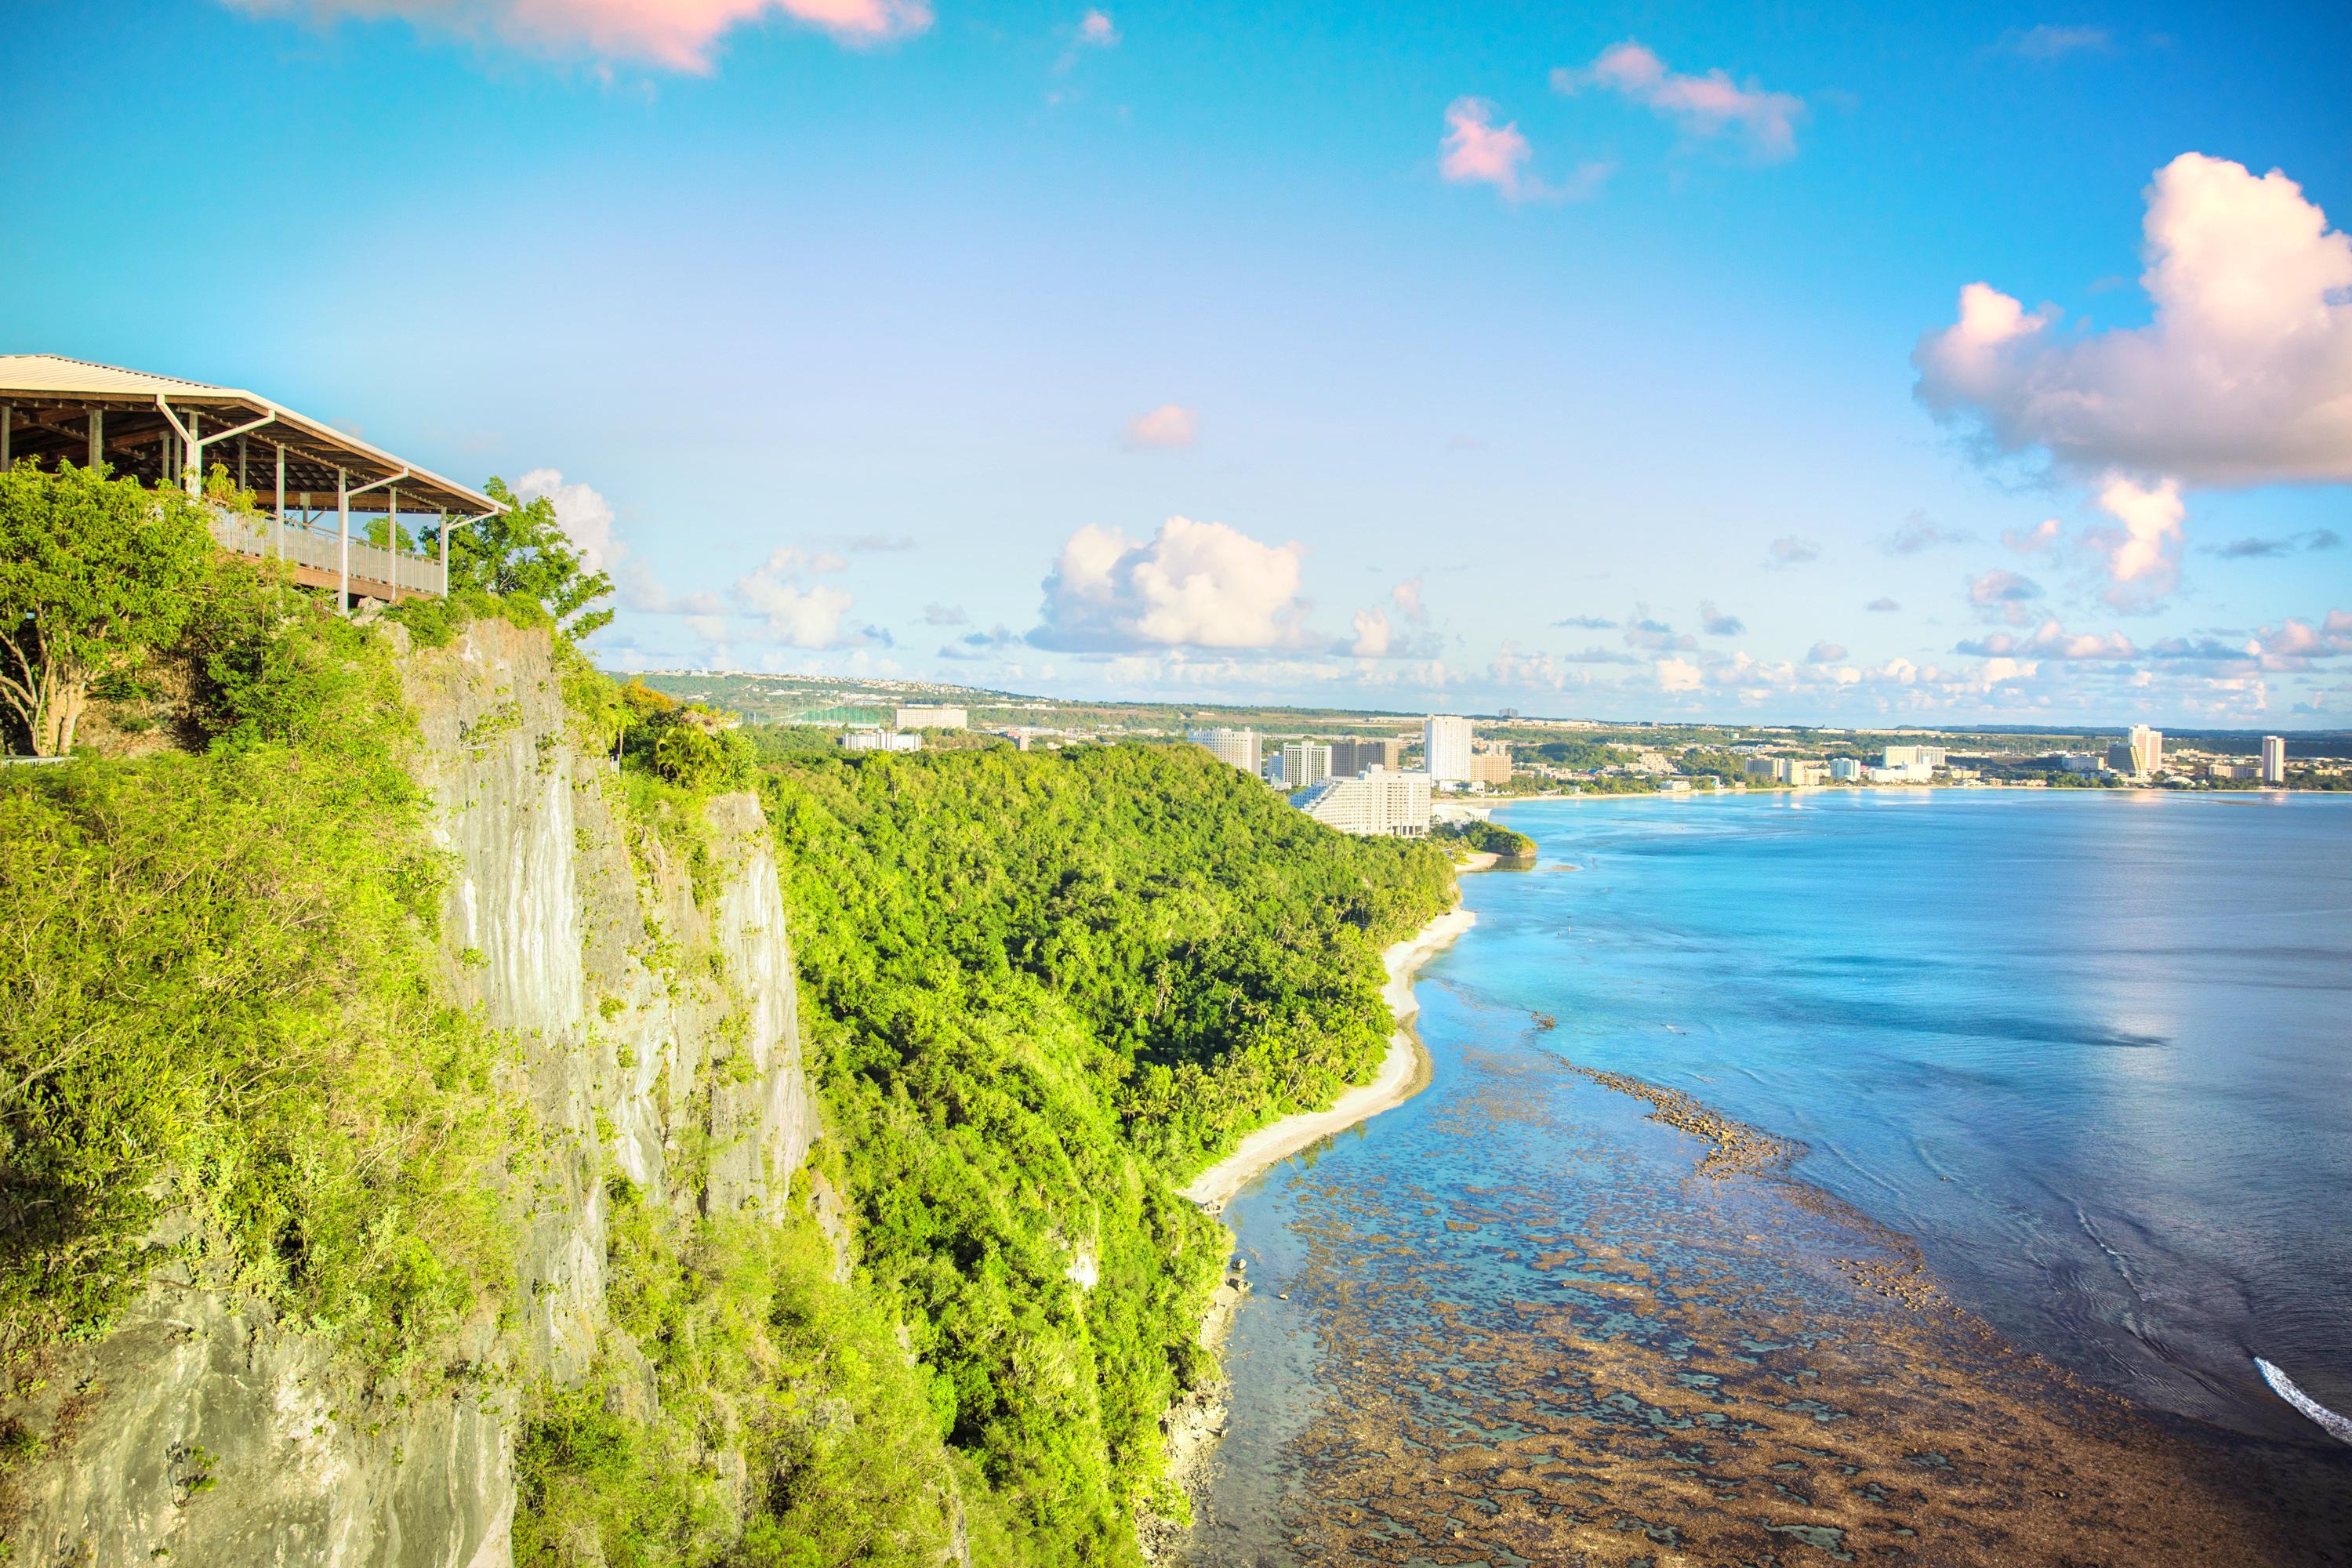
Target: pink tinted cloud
(2243,375)
(1705,105)
(1479,151)
(677,35)
(1168,428)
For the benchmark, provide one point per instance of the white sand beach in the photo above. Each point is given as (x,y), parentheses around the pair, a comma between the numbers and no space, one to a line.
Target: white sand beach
(1398,1070)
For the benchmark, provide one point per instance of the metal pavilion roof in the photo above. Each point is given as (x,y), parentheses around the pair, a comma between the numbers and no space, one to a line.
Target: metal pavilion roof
(49,401)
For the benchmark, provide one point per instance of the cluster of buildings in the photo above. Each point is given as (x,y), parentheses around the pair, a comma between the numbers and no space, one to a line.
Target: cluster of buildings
(904,732)
(2137,757)
(2141,757)
(1896,765)
(1360,784)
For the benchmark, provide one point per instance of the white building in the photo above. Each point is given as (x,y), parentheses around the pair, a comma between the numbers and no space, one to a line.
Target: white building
(1305,763)
(1927,757)
(880,741)
(1808,772)
(1771,770)
(1446,748)
(2273,759)
(1238,747)
(2139,753)
(929,716)
(1845,770)
(1380,805)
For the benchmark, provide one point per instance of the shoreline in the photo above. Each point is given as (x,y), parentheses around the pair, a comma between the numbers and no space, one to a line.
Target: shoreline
(1191,1425)
(1401,1073)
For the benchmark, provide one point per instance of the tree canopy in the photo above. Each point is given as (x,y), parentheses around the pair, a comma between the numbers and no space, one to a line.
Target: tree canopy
(94,570)
(524,552)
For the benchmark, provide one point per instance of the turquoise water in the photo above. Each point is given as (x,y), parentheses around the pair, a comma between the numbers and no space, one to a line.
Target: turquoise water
(2092,1051)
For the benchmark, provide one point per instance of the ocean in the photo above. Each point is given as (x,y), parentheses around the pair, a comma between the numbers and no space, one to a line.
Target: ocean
(2055,1092)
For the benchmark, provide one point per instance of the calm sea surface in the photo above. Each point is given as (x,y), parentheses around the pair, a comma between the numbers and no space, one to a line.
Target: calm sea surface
(2092,1051)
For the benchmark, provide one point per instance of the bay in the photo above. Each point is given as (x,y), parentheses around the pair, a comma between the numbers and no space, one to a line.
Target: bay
(2069,1070)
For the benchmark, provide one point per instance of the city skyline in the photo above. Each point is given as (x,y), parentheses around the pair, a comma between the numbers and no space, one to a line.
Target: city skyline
(1606,365)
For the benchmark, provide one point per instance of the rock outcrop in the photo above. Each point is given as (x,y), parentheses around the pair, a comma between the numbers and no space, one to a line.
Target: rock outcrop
(645,970)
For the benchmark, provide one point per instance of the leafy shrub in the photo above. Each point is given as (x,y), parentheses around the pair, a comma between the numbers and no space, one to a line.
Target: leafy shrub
(217,972)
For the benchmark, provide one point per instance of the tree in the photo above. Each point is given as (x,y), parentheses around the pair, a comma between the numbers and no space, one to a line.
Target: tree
(524,552)
(93,573)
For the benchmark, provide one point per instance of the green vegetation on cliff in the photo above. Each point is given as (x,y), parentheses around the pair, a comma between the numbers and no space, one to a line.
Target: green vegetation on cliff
(224,1050)
(1041,988)
(1036,992)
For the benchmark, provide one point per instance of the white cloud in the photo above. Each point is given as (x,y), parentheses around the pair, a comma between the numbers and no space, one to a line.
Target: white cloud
(1881,605)
(2050,640)
(2143,556)
(1825,653)
(1677,675)
(1719,622)
(1095,31)
(1201,584)
(678,35)
(2243,377)
(1406,597)
(1373,635)
(1791,551)
(2032,540)
(796,615)
(1166,428)
(1707,105)
(585,517)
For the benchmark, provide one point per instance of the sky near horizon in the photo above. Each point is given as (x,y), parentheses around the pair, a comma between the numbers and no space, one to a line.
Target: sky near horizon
(1611,360)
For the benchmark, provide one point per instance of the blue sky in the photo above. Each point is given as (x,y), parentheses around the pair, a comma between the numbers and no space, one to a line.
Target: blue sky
(1397,355)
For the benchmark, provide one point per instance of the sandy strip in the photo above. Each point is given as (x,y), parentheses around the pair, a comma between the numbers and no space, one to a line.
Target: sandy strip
(1279,1141)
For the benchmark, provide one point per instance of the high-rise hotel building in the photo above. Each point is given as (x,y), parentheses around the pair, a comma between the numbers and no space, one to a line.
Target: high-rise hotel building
(1305,763)
(1446,749)
(1238,747)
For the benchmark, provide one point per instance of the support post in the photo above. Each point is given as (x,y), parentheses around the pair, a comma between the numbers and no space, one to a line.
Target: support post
(278,528)
(342,542)
(445,554)
(392,539)
(192,469)
(240,463)
(7,429)
(96,438)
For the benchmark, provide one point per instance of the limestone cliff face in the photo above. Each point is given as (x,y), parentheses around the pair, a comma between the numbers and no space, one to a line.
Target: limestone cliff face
(648,977)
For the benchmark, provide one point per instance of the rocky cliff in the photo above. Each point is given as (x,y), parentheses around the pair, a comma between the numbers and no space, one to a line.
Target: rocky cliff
(641,962)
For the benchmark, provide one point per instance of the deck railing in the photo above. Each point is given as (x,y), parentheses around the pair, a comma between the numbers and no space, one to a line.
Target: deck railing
(320,549)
